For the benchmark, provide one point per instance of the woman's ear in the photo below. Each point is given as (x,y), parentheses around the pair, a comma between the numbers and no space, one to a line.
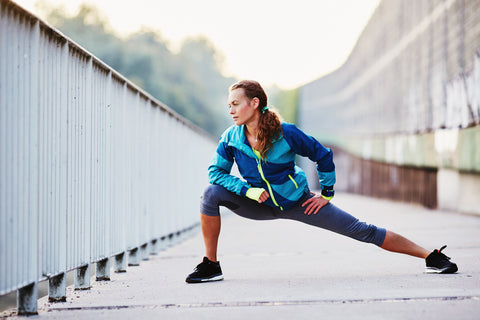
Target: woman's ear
(255,102)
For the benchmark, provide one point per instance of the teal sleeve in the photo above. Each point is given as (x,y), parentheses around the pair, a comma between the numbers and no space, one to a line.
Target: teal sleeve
(219,172)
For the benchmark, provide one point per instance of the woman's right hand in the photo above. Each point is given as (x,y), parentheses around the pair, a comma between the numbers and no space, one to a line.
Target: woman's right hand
(263,197)
(258,194)
(314,204)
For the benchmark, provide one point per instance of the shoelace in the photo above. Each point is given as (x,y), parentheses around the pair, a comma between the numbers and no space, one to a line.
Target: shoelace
(440,251)
(199,267)
(202,266)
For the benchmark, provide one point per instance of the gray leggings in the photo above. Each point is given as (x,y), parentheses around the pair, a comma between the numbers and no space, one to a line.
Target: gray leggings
(329,217)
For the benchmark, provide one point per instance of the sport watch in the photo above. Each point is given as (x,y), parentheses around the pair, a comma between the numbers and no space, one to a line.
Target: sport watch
(328,193)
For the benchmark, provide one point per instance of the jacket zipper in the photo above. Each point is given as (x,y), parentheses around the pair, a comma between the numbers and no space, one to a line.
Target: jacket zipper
(294,182)
(260,170)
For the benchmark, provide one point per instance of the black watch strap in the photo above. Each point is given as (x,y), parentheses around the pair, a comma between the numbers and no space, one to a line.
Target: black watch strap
(328,193)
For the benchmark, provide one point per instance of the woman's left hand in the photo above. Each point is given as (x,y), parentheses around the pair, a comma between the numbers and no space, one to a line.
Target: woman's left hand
(314,204)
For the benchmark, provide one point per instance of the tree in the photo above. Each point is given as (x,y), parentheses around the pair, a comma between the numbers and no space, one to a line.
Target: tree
(190,82)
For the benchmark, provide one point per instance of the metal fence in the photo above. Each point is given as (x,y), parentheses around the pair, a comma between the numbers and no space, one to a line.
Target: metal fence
(91,167)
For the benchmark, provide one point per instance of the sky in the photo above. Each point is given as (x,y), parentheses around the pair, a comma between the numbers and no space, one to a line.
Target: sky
(277,42)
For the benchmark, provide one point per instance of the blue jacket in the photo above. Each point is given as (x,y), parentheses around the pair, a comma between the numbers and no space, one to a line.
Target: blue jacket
(285,182)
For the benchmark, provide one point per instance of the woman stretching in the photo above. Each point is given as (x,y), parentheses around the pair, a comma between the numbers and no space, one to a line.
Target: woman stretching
(264,149)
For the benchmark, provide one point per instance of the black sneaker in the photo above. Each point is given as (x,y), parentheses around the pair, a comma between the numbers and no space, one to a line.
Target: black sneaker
(205,272)
(437,262)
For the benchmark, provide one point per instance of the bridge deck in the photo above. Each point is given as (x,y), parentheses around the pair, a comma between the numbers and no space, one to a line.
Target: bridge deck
(282,269)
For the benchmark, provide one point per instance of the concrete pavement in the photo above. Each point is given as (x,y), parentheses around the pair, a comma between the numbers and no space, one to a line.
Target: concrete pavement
(287,270)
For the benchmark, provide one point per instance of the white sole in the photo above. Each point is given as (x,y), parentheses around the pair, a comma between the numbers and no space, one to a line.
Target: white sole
(432,270)
(217,278)
(437,271)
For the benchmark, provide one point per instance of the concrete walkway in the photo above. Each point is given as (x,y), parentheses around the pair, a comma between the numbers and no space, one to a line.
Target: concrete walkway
(287,270)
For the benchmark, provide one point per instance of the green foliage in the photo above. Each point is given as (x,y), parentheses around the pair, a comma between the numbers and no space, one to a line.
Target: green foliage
(190,81)
(286,102)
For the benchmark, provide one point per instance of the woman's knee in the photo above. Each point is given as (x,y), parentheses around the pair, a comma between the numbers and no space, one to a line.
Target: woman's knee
(209,203)
(215,196)
(339,221)
(212,189)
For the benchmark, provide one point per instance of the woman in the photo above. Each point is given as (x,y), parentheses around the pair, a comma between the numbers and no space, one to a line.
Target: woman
(264,149)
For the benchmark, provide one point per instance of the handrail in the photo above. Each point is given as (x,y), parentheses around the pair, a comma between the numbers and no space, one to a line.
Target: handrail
(91,166)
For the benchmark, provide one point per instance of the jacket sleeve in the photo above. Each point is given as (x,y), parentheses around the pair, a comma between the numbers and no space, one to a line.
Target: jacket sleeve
(307,146)
(219,171)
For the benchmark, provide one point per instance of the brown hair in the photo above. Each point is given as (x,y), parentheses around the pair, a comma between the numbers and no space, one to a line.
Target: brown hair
(269,123)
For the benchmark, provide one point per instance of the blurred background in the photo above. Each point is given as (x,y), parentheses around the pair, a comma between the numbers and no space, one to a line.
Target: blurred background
(187,53)
(403,111)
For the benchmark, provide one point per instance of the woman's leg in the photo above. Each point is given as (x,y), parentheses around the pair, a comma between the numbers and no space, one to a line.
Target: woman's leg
(211,231)
(397,243)
(216,196)
(334,219)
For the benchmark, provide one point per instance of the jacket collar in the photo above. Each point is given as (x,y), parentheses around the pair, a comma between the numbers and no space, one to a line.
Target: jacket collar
(239,140)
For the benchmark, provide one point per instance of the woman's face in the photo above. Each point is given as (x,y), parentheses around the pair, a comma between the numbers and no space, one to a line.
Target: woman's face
(242,109)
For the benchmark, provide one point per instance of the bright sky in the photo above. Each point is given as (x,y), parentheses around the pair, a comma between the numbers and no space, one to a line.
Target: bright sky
(283,42)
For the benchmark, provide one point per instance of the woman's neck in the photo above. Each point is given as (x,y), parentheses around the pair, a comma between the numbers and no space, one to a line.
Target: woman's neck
(251,132)
(252,129)
(251,125)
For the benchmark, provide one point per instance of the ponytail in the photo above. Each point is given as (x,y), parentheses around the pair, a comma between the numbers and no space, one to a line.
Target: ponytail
(269,129)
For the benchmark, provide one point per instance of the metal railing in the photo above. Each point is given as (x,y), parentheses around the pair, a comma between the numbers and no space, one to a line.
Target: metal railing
(91,166)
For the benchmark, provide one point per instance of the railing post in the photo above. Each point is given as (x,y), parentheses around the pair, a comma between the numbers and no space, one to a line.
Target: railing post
(133,257)
(27,299)
(103,270)
(57,288)
(82,278)
(120,263)
(154,247)
(144,251)
(163,243)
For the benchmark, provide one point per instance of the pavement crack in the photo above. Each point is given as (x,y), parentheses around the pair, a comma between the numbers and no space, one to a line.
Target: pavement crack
(268,303)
